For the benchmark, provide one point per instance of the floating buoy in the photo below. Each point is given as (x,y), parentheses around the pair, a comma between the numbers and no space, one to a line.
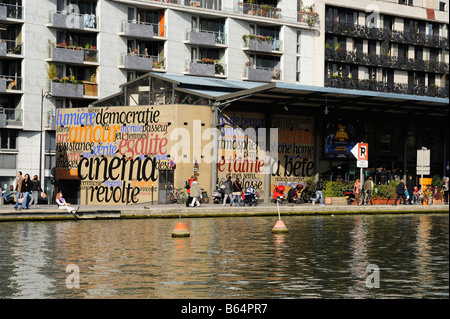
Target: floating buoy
(180,230)
(279,227)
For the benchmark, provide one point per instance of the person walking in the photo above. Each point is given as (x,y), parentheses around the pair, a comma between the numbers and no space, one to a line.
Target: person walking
(319,192)
(357,190)
(196,192)
(400,191)
(26,190)
(35,191)
(237,192)
(228,190)
(410,187)
(188,190)
(62,204)
(368,190)
(446,189)
(18,189)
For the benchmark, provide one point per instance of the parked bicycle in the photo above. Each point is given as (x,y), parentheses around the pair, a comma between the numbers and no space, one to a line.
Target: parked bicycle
(366,198)
(205,198)
(174,196)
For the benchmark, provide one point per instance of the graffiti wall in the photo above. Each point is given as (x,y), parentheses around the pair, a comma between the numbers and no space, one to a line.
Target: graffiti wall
(117,153)
(241,156)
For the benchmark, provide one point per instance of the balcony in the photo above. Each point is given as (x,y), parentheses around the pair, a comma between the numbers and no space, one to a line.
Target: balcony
(74,21)
(71,54)
(10,84)
(10,117)
(205,67)
(262,44)
(143,30)
(309,18)
(261,74)
(382,34)
(384,61)
(260,11)
(10,12)
(378,86)
(73,89)
(11,49)
(143,62)
(206,38)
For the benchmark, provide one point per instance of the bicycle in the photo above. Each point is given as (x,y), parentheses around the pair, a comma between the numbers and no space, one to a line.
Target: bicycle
(366,199)
(170,197)
(180,196)
(204,198)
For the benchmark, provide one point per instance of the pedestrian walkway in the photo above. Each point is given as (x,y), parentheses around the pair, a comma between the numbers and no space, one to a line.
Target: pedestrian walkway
(51,212)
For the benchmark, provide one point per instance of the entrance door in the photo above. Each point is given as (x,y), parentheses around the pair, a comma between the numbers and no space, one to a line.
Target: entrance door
(165,181)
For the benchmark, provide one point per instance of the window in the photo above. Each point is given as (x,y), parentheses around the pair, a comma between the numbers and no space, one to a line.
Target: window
(8,139)
(441,6)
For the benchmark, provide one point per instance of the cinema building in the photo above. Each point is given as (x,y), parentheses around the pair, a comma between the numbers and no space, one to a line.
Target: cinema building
(327,74)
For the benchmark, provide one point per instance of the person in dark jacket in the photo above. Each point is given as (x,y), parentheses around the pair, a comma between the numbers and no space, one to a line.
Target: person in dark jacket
(410,187)
(237,192)
(400,191)
(35,190)
(26,189)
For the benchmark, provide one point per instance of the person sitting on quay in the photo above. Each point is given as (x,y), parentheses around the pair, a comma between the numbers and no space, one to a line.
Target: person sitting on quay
(62,204)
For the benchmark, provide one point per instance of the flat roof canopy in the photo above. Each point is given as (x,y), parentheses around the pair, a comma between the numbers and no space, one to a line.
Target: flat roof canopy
(246,93)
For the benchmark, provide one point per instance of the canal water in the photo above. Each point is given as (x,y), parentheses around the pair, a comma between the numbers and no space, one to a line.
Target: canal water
(379,256)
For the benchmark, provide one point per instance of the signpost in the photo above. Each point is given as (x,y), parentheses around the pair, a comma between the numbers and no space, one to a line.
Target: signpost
(423,164)
(361,152)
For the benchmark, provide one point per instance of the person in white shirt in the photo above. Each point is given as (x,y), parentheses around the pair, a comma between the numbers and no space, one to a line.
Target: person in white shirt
(62,204)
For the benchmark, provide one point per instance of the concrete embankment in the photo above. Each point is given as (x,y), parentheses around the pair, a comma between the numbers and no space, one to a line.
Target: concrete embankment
(51,212)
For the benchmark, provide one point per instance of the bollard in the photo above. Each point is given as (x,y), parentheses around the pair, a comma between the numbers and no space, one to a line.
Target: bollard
(180,230)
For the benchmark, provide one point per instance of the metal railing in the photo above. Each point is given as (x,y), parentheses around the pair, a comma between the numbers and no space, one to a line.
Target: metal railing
(385,61)
(13,116)
(219,36)
(13,11)
(87,21)
(276,44)
(159,30)
(258,10)
(310,18)
(13,47)
(89,54)
(12,82)
(275,73)
(380,86)
(211,67)
(385,34)
(158,62)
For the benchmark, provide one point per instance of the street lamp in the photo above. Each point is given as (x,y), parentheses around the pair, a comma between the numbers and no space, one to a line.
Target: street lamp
(46,95)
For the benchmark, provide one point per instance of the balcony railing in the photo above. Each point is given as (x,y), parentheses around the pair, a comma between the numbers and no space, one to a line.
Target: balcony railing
(383,34)
(310,18)
(205,37)
(10,11)
(261,74)
(10,47)
(261,43)
(73,54)
(143,62)
(258,10)
(133,28)
(206,67)
(73,89)
(10,83)
(360,58)
(379,86)
(13,116)
(71,20)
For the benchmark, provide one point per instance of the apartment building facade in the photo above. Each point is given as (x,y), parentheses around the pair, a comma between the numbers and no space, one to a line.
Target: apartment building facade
(71,53)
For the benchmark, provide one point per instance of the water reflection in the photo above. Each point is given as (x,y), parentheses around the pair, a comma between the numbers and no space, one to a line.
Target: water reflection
(320,257)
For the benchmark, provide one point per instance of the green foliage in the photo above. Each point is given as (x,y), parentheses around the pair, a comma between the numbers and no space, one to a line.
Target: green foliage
(437,181)
(385,191)
(335,189)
